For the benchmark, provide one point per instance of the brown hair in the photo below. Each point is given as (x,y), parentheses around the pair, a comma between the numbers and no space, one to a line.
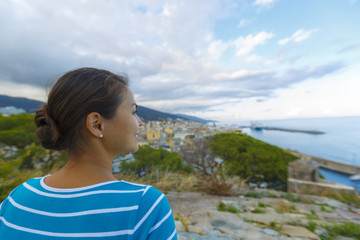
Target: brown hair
(75,95)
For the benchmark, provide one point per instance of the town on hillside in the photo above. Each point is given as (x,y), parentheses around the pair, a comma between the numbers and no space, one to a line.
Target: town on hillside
(171,135)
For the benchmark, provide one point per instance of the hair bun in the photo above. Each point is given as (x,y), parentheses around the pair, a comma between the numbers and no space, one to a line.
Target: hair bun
(47,130)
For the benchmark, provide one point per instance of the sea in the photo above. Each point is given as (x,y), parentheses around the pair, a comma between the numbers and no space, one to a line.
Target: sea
(340,141)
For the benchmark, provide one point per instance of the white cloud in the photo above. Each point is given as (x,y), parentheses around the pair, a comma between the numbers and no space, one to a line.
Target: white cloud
(298,36)
(244,22)
(175,59)
(244,45)
(22,90)
(263,3)
(240,74)
(253,59)
(217,48)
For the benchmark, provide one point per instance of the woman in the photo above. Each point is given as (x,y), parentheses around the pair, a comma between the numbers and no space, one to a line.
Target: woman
(92,114)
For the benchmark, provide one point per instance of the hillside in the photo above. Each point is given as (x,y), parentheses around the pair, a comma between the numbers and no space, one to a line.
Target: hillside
(147,114)
(29,105)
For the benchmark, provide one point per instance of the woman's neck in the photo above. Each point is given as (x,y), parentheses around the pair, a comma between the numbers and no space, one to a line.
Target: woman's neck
(82,170)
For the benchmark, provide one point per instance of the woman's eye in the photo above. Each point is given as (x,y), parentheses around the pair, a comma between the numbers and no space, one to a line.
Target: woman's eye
(135,112)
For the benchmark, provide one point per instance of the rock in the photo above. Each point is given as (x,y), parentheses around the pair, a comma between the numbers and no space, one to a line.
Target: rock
(194,236)
(321,231)
(270,232)
(179,226)
(252,185)
(300,232)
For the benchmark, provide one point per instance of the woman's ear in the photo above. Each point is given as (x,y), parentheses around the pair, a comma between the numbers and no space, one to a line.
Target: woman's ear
(94,124)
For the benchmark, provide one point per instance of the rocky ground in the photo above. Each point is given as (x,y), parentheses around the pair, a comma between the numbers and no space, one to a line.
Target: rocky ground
(260,214)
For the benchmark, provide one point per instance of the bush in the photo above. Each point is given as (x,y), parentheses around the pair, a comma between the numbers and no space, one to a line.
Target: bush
(148,159)
(347,229)
(226,208)
(245,156)
(18,130)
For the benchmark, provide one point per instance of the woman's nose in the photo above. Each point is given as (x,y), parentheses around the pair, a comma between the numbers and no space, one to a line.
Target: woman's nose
(140,122)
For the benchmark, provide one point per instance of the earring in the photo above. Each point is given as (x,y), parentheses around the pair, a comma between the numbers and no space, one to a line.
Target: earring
(101,136)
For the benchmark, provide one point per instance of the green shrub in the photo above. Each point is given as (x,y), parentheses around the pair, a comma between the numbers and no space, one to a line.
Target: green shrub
(245,156)
(347,229)
(258,210)
(148,159)
(254,194)
(263,205)
(324,209)
(312,211)
(290,197)
(222,207)
(18,130)
(311,226)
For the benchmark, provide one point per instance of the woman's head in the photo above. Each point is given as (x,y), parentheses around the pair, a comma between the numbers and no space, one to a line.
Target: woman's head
(74,96)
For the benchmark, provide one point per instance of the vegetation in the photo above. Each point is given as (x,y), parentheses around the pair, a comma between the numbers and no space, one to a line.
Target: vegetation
(21,156)
(347,229)
(245,156)
(226,208)
(148,159)
(17,130)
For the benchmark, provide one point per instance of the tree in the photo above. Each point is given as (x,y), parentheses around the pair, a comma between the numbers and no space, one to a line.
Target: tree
(147,159)
(18,130)
(245,156)
(197,153)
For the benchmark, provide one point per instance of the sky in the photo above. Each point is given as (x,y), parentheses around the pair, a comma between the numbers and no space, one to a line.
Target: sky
(220,60)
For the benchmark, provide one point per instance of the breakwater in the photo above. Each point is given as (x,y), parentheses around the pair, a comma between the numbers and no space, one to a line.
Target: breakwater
(259,128)
(332,165)
(293,130)
(303,175)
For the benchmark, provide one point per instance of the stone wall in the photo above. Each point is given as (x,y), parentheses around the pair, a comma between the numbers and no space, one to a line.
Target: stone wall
(317,188)
(302,169)
(303,178)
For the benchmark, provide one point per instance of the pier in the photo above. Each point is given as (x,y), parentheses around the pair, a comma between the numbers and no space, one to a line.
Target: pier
(337,166)
(329,164)
(303,175)
(259,128)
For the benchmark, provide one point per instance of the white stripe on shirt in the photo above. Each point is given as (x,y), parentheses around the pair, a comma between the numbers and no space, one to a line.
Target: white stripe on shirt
(77,194)
(67,190)
(172,235)
(160,222)
(146,189)
(148,212)
(72,214)
(55,234)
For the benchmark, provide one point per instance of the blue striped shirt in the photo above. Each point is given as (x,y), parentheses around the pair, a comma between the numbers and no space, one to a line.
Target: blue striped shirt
(110,210)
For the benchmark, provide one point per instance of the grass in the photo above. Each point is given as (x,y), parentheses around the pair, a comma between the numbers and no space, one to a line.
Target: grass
(347,229)
(258,210)
(347,198)
(255,195)
(283,207)
(166,181)
(222,207)
(275,226)
(263,205)
(185,220)
(291,197)
(311,226)
(312,211)
(324,209)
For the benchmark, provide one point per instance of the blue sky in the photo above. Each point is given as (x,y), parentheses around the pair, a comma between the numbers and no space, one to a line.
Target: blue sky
(221,60)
